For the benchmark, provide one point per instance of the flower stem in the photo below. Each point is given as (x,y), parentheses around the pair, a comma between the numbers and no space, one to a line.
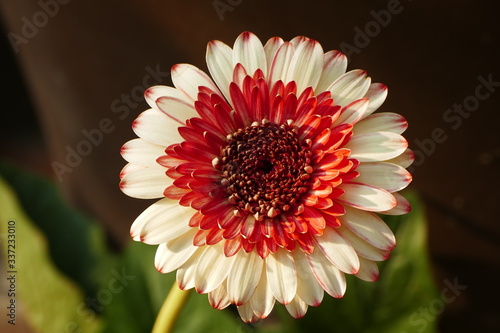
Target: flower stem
(170,309)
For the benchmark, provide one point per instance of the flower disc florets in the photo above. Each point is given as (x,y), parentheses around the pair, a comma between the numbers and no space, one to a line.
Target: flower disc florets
(265,169)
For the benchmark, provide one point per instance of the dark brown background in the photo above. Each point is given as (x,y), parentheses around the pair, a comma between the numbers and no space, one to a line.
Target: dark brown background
(66,77)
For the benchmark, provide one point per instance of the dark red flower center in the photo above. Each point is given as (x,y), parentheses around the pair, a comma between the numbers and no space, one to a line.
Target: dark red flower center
(265,168)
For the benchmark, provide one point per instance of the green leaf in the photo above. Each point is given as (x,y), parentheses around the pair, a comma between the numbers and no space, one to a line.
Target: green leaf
(75,243)
(51,302)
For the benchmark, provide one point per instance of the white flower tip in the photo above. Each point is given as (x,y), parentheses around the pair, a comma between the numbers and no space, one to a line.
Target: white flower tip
(246,35)
(361,73)
(123,183)
(178,69)
(380,87)
(148,93)
(135,236)
(337,54)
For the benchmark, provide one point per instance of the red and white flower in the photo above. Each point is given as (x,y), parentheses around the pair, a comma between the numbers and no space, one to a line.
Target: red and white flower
(270,174)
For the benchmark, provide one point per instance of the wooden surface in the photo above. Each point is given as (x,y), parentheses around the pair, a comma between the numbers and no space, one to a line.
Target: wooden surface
(82,63)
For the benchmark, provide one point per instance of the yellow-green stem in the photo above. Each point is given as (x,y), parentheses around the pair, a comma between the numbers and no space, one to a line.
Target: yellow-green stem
(170,309)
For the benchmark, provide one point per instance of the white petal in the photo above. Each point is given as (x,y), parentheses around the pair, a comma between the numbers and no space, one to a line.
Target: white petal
(176,252)
(185,273)
(306,65)
(349,87)
(352,112)
(263,300)
(381,122)
(334,65)
(368,271)
(153,93)
(363,248)
(308,288)
(244,276)
(218,297)
(377,93)
(249,52)
(176,109)
(246,313)
(142,152)
(298,40)
(189,78)
(281,63)
(129,167)
(156,127)
(328,276)
(297,307)
(212,268)
(366,197)
(271,48)
(404,160)
(377,146)
(369,227)
(161,222)
(338,251)
(146,183)
(388,176)
(282,276)
(219,62)
(402,207)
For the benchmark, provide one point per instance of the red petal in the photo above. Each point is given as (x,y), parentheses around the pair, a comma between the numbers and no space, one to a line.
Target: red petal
(214,236)
(332,221)
(306,243)
(232,230)
(175,193)
(209,222)
(195,220)
(232,246)
(200,238)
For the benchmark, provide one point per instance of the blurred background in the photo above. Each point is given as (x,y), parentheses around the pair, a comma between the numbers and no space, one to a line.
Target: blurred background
(74,71)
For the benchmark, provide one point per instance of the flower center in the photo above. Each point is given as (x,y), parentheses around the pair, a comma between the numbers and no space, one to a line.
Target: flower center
(265,168)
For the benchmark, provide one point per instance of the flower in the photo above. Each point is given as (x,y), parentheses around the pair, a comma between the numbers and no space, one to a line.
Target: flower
(271,174)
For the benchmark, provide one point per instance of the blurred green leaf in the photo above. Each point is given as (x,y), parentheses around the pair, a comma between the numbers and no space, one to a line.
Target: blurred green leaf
(50,301)
(76,244)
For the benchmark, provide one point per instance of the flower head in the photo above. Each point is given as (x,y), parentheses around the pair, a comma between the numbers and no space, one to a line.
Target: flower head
(270,174)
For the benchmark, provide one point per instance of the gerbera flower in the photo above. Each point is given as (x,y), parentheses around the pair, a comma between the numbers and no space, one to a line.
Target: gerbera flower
(270,174)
